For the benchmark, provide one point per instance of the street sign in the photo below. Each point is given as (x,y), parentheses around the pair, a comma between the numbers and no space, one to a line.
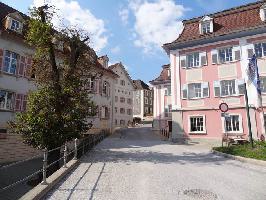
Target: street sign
(223,107)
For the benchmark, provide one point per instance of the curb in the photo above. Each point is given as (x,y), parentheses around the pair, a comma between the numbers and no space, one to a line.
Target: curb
(40,190)
(239,158)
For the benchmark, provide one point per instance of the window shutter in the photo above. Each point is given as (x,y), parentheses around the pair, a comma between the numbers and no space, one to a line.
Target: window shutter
(18,102)
(21,66)
(1,59)
(8,23)
(237,53)
(28,67)
(183,63)
(184,91)
(241,86)
(191,91)
(214,54)
(203,58)
(24,103)
(250,49)
(205,89)
(216,85)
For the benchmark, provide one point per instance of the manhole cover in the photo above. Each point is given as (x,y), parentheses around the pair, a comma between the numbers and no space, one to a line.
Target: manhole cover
(200,194)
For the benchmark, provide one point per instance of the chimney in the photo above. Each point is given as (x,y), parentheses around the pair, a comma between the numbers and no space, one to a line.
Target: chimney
(103,60)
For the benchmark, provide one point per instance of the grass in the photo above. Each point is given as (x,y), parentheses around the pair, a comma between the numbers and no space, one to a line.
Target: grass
(258,152)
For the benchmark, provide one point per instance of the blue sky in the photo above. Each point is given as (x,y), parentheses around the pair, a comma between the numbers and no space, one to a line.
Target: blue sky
(132,31)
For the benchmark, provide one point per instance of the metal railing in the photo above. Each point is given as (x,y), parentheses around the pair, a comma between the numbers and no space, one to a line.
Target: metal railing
(165,133)
(81,146)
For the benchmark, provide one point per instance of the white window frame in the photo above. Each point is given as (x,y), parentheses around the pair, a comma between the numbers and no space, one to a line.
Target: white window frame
(228,88)
(206,27)
(195,60)
(228,54)
(12,59)
(198,92)
(262,48)
(204,124)
(240,132)
(7,105)
(263,84)
(16,27)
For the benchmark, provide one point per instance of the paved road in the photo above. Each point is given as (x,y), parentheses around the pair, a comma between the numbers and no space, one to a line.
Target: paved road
(141,166)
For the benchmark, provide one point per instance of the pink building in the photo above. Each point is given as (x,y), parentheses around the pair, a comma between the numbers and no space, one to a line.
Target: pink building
(208,63)
(162,116)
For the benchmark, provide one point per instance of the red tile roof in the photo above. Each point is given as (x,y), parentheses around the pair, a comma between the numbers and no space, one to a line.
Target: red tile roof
(228,21)
(163,77)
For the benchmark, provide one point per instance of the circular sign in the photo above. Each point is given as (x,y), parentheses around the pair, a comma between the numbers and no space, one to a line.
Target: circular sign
(223,107)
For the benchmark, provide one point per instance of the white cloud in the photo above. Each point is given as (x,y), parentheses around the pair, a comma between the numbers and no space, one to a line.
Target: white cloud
(74,15)
(157,22)
(115,50)
(124,15)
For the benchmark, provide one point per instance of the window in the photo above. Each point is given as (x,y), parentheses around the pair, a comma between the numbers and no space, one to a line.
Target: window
(104,112)
(115,121)
(90,84)
(168,73)
(146,110)
(116,98)
(122,110)
(129,101)
(122,82)
(122,100)
(168,110)
(6,100)
(206,27)
(146,100)
(197,124)
(106,88)
(167,91)
(225,55)
(232,123)
(263,84)
(228,87)
(193,60)
(116,110)
(260,49)
(129,111)
(198,90)
(15,25)
(122,122)
(10,62)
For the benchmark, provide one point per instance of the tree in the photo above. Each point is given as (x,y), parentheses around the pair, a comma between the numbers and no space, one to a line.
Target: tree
(57,111)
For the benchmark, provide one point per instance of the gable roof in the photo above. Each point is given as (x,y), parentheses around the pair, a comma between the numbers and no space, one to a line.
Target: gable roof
(140,85)
(237,19)
(112,67)
(163,77)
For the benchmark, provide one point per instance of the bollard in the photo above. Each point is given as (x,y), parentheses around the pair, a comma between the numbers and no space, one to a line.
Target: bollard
(65,155)
(44,168)
(76,149)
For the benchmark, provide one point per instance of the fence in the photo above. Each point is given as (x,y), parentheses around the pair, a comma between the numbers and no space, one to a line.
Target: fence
(67,152)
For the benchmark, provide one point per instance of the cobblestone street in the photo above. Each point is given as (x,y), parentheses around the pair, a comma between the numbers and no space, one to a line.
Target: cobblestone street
(137,164)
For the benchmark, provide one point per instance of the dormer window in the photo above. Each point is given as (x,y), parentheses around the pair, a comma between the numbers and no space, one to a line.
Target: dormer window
(206,25)
(15,25)
(263,12)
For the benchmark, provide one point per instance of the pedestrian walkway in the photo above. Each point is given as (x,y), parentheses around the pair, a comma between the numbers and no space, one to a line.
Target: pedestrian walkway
(140,166)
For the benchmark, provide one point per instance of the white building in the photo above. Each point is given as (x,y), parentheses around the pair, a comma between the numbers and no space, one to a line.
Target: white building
(123,97)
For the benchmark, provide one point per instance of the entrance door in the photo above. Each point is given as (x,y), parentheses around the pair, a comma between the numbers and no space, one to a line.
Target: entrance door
(170,126)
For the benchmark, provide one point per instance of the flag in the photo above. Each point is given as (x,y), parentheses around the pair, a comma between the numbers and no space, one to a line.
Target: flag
(253,73)
(253,76)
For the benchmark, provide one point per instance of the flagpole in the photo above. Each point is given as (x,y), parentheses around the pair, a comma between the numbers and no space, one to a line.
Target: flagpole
(248,117)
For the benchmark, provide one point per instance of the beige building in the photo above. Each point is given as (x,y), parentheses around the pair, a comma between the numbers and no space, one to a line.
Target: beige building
(123,97)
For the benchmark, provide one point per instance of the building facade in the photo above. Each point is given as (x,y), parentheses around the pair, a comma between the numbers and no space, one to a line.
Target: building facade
(142,101)
(123,97)
(101,90)
(162,105)
(209,62)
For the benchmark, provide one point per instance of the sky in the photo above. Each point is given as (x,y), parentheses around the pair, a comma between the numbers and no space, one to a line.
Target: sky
(130,31)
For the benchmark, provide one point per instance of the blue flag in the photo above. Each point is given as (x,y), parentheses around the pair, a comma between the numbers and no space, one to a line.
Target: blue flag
(253,73)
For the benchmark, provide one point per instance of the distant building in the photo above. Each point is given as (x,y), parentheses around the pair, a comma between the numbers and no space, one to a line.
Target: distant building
(142,100)
(209,62)
(123,97)
(162,104)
